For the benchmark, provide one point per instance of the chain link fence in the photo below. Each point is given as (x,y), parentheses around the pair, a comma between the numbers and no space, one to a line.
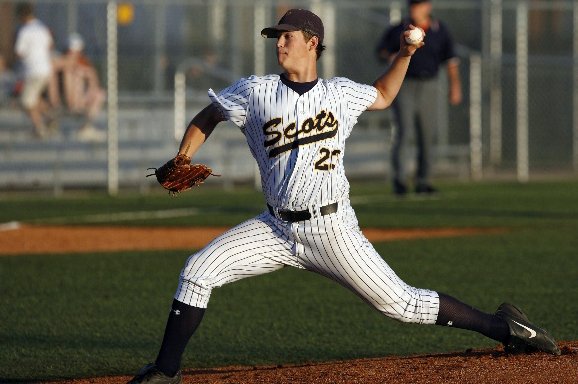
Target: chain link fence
(520,95)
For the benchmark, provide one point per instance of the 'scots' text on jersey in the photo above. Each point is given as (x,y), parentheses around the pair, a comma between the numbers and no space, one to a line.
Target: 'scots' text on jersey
(322,127)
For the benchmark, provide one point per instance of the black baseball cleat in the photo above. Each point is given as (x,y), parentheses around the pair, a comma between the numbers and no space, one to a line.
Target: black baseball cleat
(151,375)
(525,336)
(399,188)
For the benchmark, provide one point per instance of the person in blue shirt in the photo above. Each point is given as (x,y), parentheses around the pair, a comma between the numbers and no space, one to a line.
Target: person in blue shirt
(415,108)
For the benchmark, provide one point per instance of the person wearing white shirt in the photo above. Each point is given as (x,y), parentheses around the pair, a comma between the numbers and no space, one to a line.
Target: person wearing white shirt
(33,46)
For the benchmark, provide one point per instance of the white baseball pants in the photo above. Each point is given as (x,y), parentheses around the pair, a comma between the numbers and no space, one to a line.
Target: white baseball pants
(332,246)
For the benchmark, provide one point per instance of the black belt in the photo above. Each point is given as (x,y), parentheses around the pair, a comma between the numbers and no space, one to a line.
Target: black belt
(293,216)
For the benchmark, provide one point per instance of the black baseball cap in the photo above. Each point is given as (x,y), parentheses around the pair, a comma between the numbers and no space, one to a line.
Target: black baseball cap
(411,2)
(297,20)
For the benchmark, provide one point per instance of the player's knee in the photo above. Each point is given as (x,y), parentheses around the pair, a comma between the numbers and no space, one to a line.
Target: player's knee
(192,291)
(413,306)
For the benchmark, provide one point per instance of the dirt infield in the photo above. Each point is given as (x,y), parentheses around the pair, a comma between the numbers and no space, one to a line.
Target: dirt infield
(16,239)
(484,366)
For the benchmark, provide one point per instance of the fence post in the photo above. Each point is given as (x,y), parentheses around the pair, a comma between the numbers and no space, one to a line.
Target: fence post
(259,63)
(522,150)
(496,83)
(326,10)
(575,92)
(180,104)
(112,90)
(476,116)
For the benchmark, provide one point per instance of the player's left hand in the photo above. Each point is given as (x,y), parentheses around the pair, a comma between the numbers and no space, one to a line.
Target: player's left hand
(178,174)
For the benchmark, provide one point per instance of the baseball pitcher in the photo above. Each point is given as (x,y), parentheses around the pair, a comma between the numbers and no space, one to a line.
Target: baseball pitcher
(296,125)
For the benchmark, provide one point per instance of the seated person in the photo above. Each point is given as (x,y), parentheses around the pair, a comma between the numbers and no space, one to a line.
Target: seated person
(81,88)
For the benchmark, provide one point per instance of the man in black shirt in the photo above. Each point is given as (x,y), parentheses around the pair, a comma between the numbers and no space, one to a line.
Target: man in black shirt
(415,106)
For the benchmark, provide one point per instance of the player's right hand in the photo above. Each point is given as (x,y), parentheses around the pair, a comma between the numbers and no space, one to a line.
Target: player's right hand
(407,49)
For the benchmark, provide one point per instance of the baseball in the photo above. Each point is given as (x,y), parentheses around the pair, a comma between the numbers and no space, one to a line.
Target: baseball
(415,36)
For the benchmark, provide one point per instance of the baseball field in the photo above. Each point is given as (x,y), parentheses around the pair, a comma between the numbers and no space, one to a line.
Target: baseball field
(86,281)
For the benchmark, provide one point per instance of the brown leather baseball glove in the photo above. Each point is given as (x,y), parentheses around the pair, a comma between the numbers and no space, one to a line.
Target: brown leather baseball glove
(178,174)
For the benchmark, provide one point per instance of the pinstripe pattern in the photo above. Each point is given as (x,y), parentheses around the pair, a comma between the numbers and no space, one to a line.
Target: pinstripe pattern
(251,248)
(298,143)
(332,246)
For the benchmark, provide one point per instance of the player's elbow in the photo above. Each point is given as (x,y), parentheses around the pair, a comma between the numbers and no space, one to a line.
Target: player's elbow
(381,102)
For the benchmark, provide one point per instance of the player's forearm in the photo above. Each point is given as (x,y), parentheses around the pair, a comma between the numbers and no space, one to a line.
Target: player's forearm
(198,130)
(389,84)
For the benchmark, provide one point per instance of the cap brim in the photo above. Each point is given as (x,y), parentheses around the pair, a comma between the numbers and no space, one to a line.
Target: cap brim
(274,31)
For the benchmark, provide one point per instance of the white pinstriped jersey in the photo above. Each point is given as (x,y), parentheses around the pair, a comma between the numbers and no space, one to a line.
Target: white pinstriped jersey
(297,140)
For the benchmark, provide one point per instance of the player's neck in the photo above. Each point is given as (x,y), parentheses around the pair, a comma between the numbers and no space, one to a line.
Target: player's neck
(300,88)
(302,75)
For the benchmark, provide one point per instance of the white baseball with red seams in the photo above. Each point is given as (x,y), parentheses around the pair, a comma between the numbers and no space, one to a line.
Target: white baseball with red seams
(415,36)
(298,142)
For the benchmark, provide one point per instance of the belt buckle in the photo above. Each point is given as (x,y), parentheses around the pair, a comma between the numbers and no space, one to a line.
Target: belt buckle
(328,209)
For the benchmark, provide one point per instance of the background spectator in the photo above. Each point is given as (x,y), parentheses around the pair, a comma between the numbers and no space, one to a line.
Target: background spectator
(33,47)
(82,93)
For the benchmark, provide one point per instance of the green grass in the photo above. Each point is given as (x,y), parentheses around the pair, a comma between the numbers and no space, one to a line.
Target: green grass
(66,316)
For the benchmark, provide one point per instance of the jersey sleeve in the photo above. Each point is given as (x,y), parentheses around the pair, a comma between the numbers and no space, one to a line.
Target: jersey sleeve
(233,101)
(358,97)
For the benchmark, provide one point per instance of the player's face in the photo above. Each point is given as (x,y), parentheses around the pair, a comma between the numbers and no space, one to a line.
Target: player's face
(292,50)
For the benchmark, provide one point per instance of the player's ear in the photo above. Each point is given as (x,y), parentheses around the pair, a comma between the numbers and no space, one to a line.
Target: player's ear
(314,42)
